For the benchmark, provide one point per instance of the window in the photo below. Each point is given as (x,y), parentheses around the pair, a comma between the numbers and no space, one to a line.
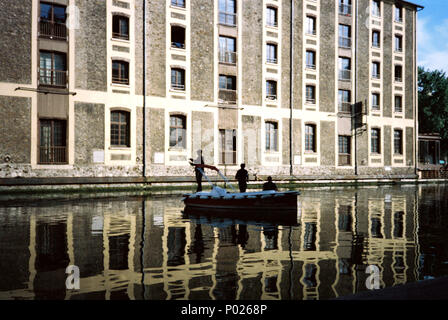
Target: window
(177,79)
(375,140)
(227,12)
(398,104)
(177,37)
(271,53)
(376,40)
(52,21)
(271,16)
(345,7)
(120,27)
(375,101)
(53,141)
(344,68)
(398,73)
(120,72)
(271,136)
(271,90)
(310,137)
(310,59)
(120,129)
(178,137)
(227,88)
(310,94)
(376,8)
(398,43)
(344,150)
(178,3)
(398,14)
(227,50)
(52,69)
(310,25)
(227,146)
(398,141)
(344,101)
(375,70)
(345,40)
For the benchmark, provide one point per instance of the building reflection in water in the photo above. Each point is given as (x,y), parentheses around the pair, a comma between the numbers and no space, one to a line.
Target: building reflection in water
(339,234)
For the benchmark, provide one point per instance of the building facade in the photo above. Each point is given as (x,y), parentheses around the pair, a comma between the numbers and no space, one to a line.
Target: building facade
(131,88)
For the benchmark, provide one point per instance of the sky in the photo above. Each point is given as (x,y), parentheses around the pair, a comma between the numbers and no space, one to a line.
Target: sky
(432,34)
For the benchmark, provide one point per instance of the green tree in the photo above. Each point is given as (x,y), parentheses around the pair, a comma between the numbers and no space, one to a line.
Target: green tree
(433,104)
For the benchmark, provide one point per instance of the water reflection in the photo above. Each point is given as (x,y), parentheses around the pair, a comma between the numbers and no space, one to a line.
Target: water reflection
(323,255)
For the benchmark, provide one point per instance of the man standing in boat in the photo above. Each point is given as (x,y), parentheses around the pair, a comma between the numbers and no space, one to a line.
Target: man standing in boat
(269,185)
(197,171)
(242,176)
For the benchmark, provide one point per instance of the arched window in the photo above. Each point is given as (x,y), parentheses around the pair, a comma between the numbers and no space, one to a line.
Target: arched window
(120,27)
(120,72)
(120,128)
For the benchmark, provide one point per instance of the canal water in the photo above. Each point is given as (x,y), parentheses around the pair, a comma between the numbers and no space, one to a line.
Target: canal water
(338,232)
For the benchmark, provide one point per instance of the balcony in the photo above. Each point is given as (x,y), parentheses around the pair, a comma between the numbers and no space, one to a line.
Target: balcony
(227,96)
(271,96)
(227,57)
(345,107)
(52,30)
(52,155)
(120,36)
(345,9)
(53,78)
(345,42)
(178,86)
(345,75)
(228,19)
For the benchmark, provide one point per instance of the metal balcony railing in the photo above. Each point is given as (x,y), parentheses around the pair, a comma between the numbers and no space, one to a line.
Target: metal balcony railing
(227,18)
(51,77)
(345,107)
(178,86)
(52,155)
(344,75)
(310,100)
(227,96)
(119,80)
(398,79)
(271,96)
(227,57)
(345,9)
(53,30)
(120,36)
(178,45)
(345,42)
(310,66)
(271,60)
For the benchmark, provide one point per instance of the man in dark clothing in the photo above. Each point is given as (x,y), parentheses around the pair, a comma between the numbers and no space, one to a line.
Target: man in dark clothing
(198,173)
(242,176)
(269,185)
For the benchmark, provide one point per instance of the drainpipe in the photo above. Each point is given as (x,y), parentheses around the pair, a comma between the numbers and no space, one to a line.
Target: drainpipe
(291,81)
(144,90)
(355,149)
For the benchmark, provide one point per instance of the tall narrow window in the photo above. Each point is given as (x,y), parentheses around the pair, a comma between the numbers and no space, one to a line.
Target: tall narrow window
(52,21)
(310,59)
(376,8)
(227,50)
(345,40)
(345,7)
(376,40)
(120,129)
(375,101)
(344,101)
(120,72)
(271,53)
(271,16)
(271,90)
(311,25)
(227,89)
(398,14)
(398,142)
(178,37)
(227,146)
(227,12)
(310,94)
(398,104)
(310,138)
(271,136)
(398,70)
(178,136)
(344,150)
(375,136)
(344,68)
(398,43)
(53,141)
(120,27)
(375,70)
(53,69)
(178,79)
(178,3)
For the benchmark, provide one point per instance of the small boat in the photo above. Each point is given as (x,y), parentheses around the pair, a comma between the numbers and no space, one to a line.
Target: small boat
(266,204)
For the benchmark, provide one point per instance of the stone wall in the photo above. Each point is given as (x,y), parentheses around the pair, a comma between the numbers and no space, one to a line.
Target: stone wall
(251,128)
(91,46)
(409,67)
(15,39)
(327,143)
(15,130)
(89,131)
(387,67)
(388,152)
(203,135)
(156,132)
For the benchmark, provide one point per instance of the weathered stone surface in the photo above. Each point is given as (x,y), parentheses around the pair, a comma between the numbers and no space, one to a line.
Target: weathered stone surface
(202,50)
(387,145)
(15,41)
(296,139)
(363,65)
(156,47)
(156,132)
(91,46)
(15,130)
(409,146)
(327,143)
(387,67)
(138,55)
(409,68)
(252,25)
(89,131)
(203,135)
(251,127)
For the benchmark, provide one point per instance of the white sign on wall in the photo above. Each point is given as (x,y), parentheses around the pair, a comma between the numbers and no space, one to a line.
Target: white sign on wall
(159,157)
(98,156)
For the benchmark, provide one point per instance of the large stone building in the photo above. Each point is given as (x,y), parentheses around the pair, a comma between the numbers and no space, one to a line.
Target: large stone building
(303,87)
